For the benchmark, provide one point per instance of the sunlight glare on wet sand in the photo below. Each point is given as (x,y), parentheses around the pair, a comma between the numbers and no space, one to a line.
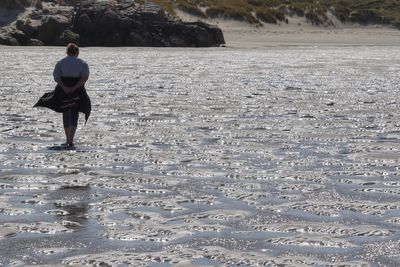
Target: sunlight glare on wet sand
(212,157)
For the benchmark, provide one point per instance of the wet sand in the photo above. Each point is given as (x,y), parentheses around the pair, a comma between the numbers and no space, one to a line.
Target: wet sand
(205,157)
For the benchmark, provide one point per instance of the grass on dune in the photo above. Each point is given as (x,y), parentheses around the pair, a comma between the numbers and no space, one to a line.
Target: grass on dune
(272,11)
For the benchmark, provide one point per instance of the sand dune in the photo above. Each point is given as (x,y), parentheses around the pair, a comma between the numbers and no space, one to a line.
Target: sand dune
(299,32)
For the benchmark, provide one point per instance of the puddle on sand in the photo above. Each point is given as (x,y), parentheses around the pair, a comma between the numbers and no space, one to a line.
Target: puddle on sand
(278,157)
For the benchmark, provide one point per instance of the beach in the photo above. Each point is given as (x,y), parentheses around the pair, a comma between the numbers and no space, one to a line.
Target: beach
(279,149)
(246,36)
(300,32)
(285,155)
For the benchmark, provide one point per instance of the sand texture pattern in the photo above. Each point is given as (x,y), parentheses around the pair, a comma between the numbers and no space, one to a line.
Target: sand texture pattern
(271,156)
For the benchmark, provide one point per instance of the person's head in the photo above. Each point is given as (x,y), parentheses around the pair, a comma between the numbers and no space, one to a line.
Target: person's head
(72,50)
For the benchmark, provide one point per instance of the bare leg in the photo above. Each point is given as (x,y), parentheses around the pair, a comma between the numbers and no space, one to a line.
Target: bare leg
(70,129)
(73,130)
(68,135)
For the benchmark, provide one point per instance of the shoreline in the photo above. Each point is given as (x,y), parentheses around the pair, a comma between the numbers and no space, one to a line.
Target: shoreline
(285,36)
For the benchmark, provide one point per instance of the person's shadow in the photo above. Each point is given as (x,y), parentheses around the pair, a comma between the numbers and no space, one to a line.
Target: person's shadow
(60,147)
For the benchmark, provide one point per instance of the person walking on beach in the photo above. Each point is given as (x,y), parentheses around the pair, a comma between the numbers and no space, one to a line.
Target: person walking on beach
(71,74)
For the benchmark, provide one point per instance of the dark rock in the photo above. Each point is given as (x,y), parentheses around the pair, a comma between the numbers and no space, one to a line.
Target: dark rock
(201,37)
(38,4)
(20,37)
(115,39)
(51,28)
(8,40)
(34,42)
(71,2)
(84,25)
(157,40)
(218,35)
(19,24)
(178,41)
(134,39)
(108,21)
(125,24)
(205,35)
(112,23)
(36,15)
(27,28)
(67,37)
(152,12)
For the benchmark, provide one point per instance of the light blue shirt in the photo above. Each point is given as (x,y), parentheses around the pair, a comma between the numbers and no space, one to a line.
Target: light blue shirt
(71,66)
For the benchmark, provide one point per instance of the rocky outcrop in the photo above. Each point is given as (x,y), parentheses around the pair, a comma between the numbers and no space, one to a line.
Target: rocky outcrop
(51,28)
(144,25)
(108,23)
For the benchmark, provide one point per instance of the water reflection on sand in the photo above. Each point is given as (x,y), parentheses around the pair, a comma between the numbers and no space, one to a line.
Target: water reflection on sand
(286,156)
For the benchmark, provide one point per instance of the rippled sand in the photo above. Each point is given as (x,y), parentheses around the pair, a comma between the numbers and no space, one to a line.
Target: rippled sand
(284,156)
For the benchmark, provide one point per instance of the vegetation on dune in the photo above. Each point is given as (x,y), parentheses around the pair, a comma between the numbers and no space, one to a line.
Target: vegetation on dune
(274,11)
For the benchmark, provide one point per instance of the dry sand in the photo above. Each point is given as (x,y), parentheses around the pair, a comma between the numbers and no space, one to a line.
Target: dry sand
(299,32)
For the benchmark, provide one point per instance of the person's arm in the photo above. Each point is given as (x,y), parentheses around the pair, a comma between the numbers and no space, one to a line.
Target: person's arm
(84,77)
(79,84)
(66,89)
(57,78)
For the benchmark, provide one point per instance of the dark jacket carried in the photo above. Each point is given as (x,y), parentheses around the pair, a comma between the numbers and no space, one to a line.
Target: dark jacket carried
(59,101)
